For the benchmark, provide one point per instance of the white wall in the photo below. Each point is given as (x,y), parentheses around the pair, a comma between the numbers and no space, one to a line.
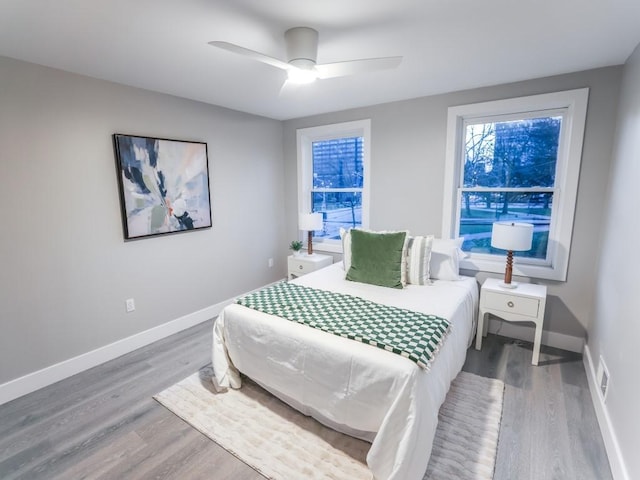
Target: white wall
(614,332)
(65,270)
(407,171)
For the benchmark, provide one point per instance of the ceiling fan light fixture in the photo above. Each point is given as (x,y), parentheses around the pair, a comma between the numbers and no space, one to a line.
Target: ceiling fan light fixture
(301,75)
(302,51)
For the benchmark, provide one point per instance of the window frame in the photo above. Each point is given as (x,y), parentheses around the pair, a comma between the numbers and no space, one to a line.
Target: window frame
(304,139)
(573,105)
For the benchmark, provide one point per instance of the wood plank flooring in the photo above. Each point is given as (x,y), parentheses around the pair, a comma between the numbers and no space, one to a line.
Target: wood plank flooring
(103,423)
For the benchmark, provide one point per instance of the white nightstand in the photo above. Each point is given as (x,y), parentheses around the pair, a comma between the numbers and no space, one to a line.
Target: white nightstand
(300,265)
(525,303)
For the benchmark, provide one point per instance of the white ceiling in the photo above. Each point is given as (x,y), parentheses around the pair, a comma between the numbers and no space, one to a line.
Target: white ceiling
(447,45)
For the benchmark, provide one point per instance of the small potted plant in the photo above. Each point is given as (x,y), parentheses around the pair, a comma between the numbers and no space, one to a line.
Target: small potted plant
(296,246)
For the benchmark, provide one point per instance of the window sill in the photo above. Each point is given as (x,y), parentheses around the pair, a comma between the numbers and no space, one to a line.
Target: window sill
(334,246)
(522,270)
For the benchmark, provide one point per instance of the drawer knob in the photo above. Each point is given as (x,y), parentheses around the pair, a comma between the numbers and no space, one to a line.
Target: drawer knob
(510,304)
(300,267)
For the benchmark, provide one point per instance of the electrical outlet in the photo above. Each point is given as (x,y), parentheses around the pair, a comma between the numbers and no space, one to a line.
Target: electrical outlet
(130,304)
(270,262)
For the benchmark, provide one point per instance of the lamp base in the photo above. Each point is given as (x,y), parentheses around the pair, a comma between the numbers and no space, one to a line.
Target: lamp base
(508,272)
(310,242)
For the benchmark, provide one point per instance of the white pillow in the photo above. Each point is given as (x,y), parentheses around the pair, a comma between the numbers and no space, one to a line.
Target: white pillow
(345,236)
(418,259)
(445,259)
(346,248)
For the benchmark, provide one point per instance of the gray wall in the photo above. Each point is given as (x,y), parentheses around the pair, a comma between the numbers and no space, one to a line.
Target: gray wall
(407,171)
(65,270)
(614,332)
(61,243)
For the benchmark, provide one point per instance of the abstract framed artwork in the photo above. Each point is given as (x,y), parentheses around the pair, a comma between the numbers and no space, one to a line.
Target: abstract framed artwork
(164,185)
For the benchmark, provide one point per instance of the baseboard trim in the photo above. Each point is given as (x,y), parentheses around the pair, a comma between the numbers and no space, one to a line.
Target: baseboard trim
(59,371)
(67,368)
(526,333)
(616,460)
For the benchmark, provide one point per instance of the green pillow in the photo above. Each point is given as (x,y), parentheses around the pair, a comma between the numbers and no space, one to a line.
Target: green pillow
(376,258)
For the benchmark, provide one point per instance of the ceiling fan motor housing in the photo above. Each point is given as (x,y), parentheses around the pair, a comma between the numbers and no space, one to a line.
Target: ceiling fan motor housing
(302,47)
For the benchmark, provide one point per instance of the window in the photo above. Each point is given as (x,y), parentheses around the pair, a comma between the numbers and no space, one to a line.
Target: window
(333,165)
(519,160)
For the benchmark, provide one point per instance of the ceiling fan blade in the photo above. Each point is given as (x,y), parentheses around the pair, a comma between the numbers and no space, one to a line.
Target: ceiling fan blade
(289,88)
(352,67)
(231,47)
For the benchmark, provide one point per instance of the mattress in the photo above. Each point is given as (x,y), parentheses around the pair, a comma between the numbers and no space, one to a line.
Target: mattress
(355,388)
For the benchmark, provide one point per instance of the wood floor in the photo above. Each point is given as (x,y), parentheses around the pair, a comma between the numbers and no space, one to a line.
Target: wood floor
(103,423)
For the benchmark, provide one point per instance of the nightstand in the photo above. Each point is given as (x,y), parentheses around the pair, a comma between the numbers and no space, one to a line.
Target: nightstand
(525,303)
(303,264)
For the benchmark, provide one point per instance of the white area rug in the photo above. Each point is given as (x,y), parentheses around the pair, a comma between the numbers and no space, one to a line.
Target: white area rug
(282,444)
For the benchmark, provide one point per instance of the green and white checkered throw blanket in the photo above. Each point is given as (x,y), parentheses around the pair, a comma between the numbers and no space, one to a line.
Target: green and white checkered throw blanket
(413,335)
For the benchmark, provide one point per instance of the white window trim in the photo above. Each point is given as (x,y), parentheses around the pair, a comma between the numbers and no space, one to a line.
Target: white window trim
(567,175)
(305,138)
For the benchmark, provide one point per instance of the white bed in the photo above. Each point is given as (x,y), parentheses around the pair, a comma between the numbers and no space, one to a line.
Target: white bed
(352,387)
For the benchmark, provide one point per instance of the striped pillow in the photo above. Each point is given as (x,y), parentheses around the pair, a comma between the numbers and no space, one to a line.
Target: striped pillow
(418,258)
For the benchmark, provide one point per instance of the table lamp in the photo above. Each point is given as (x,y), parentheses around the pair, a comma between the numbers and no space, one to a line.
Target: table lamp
(512,237)
(310,222)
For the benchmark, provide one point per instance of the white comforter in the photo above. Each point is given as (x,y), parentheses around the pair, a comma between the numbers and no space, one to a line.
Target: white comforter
(355,388)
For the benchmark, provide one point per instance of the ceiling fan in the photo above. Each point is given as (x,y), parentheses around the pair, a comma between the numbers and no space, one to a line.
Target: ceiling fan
(302,51)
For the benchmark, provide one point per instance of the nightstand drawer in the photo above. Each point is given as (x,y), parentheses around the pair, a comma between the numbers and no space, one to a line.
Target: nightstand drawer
(511,303)
(300,267)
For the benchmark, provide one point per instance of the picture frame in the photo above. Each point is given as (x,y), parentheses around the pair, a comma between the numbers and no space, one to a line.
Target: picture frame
(163,185)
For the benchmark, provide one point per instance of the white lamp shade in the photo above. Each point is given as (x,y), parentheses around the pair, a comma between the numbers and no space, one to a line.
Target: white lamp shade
(512,236)
(310,221)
